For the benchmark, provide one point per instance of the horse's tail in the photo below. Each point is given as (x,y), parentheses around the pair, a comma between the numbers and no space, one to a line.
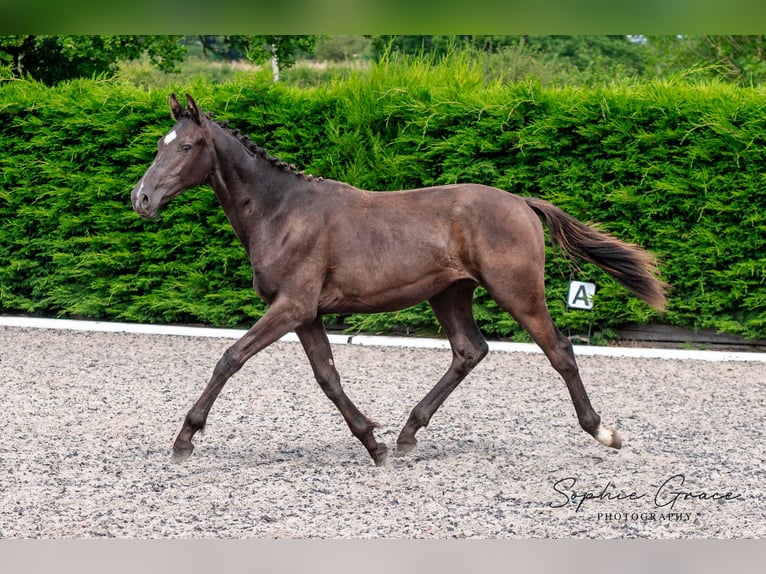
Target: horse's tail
(631,266)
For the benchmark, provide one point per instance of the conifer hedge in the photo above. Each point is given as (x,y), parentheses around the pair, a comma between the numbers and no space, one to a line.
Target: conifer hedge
(676,168)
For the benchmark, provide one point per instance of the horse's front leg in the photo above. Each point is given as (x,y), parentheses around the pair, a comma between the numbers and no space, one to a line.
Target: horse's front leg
(275,323)
(313,337)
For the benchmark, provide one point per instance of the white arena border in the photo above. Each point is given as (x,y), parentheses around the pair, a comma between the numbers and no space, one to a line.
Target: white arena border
(370,340)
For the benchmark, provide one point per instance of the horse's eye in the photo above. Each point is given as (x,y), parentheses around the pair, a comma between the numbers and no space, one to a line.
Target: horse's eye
(186,148)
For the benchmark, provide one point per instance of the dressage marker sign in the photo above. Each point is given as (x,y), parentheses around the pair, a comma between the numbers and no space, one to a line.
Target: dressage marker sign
(581,295)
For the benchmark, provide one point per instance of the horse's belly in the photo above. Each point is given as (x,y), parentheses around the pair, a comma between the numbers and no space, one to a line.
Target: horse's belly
(375,289)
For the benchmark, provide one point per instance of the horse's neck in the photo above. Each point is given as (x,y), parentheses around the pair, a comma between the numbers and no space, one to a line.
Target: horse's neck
(249,188)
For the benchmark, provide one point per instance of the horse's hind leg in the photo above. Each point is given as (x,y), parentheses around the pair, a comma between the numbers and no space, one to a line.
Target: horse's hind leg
(313,337)
(452,308)
(526,303)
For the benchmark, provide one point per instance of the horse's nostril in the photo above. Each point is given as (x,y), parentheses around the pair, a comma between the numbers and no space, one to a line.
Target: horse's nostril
(143,200)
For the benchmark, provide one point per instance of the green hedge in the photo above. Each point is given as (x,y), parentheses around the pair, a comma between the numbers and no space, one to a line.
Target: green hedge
(676,168)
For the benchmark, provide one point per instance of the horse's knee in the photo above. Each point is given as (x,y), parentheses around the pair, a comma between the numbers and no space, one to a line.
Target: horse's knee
(466,355)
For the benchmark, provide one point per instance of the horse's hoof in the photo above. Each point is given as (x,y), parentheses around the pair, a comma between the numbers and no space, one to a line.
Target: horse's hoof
(381,455)
(609,437)
(404,448)
(181,453)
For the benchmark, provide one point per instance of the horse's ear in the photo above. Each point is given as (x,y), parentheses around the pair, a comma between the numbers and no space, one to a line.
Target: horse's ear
(176,108)
(193,110)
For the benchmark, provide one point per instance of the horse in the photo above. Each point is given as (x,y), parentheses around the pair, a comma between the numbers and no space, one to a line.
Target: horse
(319,246)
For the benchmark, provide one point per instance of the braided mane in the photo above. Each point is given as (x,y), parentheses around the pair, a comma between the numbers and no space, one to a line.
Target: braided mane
(262,153)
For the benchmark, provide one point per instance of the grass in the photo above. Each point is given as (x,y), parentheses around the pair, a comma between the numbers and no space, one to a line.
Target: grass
(507,66)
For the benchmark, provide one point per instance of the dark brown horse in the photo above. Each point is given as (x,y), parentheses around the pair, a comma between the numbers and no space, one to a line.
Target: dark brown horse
(321,246)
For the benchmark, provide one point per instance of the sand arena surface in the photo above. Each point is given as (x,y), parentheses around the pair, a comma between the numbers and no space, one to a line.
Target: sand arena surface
(89,420)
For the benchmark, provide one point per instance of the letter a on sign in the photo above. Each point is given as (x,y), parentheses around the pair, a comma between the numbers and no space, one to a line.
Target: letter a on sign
(581,295)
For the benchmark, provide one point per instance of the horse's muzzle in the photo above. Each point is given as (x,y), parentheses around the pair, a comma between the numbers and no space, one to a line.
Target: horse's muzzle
(142,203)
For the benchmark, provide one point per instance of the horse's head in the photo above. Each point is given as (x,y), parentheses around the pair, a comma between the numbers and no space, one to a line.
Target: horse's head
(184,160)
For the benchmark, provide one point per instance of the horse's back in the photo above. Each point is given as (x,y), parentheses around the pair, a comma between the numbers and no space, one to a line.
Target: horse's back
(393,249)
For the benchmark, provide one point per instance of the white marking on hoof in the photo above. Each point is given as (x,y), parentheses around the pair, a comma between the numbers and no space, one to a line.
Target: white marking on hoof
(170,137)
(608,436)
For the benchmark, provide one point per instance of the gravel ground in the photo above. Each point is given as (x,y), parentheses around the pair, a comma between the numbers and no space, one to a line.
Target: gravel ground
(89,419)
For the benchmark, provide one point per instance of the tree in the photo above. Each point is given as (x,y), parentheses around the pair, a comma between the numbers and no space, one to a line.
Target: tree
(579,59)
(591,52)
(220,47)
(589,55)
(343,48)
(739,59)
(280,50)
(52,59)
